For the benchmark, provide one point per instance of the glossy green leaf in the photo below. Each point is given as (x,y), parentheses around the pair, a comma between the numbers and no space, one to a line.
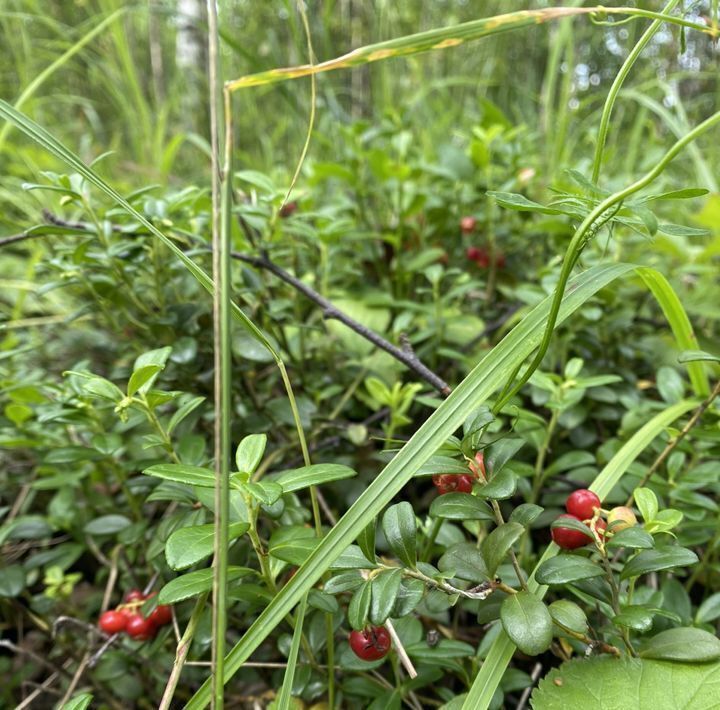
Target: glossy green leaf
(658,559)
(107,525)
(569,615)
(266,492)
(498,543)
(525,513)
(188,546)
(141,377)
(249,453)
(366,540)
(634,617)
(154,360)
(293,544)
(709,610)
(12,581)
(460,506)
(567,568)
(359,606)
(314,475)
(688,645)
(194,583)
(501,486)
(78,702)
(634,538)
(400,530)
(527,622)
(385,587)
(465,561)
(183,411)
(182,473)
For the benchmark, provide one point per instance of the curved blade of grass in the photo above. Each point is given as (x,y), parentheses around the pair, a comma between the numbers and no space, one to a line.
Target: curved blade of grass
(32,87)
(445,37)
(487,377)
(286,692)
(678,128)
(502,649)
(679,323)
(615,88)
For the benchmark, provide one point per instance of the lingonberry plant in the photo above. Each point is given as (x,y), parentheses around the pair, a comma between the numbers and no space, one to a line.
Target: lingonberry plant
(402,467)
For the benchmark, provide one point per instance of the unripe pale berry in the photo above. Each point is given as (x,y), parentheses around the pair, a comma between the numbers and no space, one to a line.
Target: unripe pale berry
(621,518)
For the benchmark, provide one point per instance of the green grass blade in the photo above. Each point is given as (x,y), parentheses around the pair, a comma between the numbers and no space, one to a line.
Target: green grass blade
(502,649)
(487,377)
(679,323)
(617,84)
(33,86)
(678,127)
(445,37)
(286,692)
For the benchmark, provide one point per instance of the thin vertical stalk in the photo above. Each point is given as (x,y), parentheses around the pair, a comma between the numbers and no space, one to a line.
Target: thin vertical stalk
(616,86)
(222,328)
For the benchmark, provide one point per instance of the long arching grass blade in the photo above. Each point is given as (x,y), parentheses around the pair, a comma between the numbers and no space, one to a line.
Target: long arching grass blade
(502,649)
(445,37)
(35,84)
(679,323)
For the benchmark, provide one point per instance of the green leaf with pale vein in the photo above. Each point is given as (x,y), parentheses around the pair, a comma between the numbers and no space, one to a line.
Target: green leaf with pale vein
(606,683)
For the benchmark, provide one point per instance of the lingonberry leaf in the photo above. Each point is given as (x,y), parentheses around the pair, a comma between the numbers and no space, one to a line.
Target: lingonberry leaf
(527,622)
(385,587)
(498,543)
(460,506)
(567,568)
(683,644)
(400,531)
(661,558)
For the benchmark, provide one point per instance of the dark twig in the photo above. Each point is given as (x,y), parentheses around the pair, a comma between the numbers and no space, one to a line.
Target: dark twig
(403,355)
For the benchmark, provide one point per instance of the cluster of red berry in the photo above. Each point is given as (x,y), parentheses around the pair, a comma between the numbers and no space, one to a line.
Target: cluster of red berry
(584,506)
(461,482)
(128,618)
(370,644)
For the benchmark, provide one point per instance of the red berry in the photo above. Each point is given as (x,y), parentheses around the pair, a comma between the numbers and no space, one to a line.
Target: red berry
(134,595)
(450,483)
(160,615)
(567,538)
(112,622)
(500,260)
(472,253)
(468,224)
(288,208)
(370,644)
(139,627)
(582,504)
(483,259)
